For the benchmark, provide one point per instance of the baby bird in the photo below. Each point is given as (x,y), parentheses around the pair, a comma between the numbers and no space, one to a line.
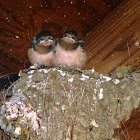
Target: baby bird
(70,51)
(41,51)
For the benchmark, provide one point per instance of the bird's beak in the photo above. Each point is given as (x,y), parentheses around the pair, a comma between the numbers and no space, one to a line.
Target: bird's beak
(44,41)
(68,39)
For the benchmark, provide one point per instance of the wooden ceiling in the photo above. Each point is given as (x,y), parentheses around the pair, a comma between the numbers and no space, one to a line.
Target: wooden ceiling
(22,19)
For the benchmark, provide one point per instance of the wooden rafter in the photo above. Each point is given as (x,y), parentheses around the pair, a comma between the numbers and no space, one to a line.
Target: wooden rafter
(115,41)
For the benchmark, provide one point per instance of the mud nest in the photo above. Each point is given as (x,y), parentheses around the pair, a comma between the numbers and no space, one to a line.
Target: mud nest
(68,104)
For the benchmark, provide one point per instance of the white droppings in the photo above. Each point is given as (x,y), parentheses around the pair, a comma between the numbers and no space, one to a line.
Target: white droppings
(40,70)
(63,107)
(71,2)
(101,76)
(13,115)
(19,90)
(39,110)
(94,97)
(46,71)
(92,70)
(107,78)
(30,76)
(34,95)
(137,43)
(85,76)
(53,69)
(32,67)
(31,72)
(101,93)
(93,123)
(70,80)
(116,81)
(82,79)
(16,36)
(98,83)
(30,114)
(95,90)
(30,6)
(62,73)
(18,130)
(34,86)
(43,127)
(28,85)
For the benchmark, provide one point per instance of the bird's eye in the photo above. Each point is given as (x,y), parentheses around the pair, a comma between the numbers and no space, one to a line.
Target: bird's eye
(41,39)
(50,37)
(65,35)
(73,38)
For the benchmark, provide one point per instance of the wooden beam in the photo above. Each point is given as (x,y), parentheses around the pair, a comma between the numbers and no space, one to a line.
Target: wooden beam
(116,40)
(130,129)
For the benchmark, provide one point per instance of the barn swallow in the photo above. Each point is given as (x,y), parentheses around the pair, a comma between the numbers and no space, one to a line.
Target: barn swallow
(41,51)
(70,51)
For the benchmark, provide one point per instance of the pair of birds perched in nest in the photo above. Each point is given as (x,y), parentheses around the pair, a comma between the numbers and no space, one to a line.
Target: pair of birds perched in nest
(67,51)
(47,51)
